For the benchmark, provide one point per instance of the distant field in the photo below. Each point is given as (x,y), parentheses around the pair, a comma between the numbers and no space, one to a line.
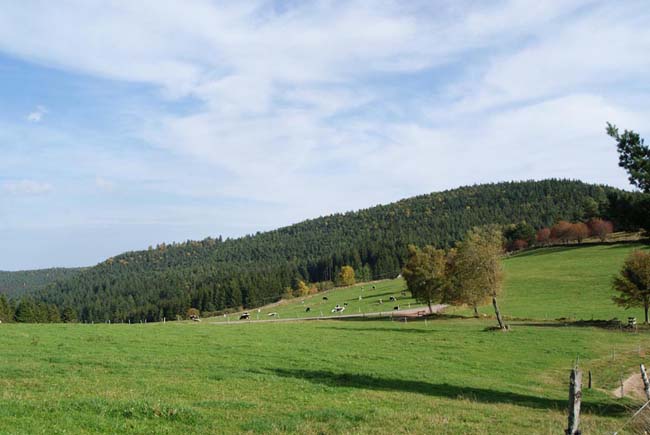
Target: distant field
(558,282)
(370,294)
(572,282)
(449,377)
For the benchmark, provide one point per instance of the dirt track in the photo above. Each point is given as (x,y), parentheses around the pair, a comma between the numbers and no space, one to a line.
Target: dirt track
(409,313)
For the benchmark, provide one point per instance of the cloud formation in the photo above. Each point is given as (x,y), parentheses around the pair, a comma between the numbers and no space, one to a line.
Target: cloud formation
(297,109)
(37,114)
(26,187)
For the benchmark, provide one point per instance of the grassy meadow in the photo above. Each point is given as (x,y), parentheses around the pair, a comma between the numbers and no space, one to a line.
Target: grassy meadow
(448,375)
(370,293)
(565,282)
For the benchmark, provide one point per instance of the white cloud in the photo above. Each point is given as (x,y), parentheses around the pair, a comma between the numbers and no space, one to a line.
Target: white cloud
(37,114)
(104,184)
(332,105)
(27,187)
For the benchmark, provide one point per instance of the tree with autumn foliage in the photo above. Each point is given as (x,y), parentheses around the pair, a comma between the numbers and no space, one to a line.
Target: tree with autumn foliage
(578,232)
(346,277)
(600,228)
(477,271)
(633,282)
(543,236)
(561,231)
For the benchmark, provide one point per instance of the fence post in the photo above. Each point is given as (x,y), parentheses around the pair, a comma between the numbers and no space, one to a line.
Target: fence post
(646,383)
(590,379)
(575,397)
(622,389)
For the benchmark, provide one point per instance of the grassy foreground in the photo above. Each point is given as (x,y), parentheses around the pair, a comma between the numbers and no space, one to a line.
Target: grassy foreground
(448,376)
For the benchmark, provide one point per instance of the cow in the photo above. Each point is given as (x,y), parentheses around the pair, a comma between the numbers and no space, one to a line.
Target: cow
(325,298)
(308,309)
(393,299)
(338,309)
(273,314)
(244,316)
(396,307)
(345,304)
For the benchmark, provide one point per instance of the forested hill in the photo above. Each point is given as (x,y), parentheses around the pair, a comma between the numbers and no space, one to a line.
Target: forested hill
(15,284)
(213,274)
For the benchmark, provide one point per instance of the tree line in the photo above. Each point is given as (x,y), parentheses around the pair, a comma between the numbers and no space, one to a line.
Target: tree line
(218,274)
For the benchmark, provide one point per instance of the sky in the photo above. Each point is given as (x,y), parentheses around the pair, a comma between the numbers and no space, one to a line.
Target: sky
(125,124)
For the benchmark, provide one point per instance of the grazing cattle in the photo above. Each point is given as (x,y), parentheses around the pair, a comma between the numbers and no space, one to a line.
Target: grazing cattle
(345,304)
(381,301)
(273,314)
(396,307)
(325,298)
(393,298)
(307,310)
(373,287)
(244,316)
(338,309)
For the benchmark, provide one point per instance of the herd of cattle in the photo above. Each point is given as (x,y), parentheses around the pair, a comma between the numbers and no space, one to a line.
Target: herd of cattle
(337,309)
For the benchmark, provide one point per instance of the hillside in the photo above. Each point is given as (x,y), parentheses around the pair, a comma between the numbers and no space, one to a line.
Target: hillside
(16,284)
(570,282)
(213,274)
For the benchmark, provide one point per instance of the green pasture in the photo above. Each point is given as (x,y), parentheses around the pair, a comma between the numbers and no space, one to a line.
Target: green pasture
(565,282)
(360,298)
(571,282)
(446,376)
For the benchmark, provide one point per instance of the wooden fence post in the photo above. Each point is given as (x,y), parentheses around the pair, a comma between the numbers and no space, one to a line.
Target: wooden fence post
(575,397)
(646,383)
(590,379)
(622,388)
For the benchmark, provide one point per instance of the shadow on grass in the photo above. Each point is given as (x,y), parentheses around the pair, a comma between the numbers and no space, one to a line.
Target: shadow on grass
(482,395)
(374,317)
(612,325)
(380,329)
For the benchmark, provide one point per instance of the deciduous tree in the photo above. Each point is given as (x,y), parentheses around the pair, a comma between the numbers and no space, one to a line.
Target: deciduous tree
(600,228)
(633,282)
(346,276)
(561,231)
(543,236)
(578,231)
(427,274)
(478,274)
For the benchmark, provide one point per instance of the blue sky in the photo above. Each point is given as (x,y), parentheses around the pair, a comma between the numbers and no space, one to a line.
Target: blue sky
(125,124)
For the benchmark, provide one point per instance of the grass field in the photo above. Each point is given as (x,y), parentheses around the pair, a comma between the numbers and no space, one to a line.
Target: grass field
(449,375)
(571,282)
(370,294)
